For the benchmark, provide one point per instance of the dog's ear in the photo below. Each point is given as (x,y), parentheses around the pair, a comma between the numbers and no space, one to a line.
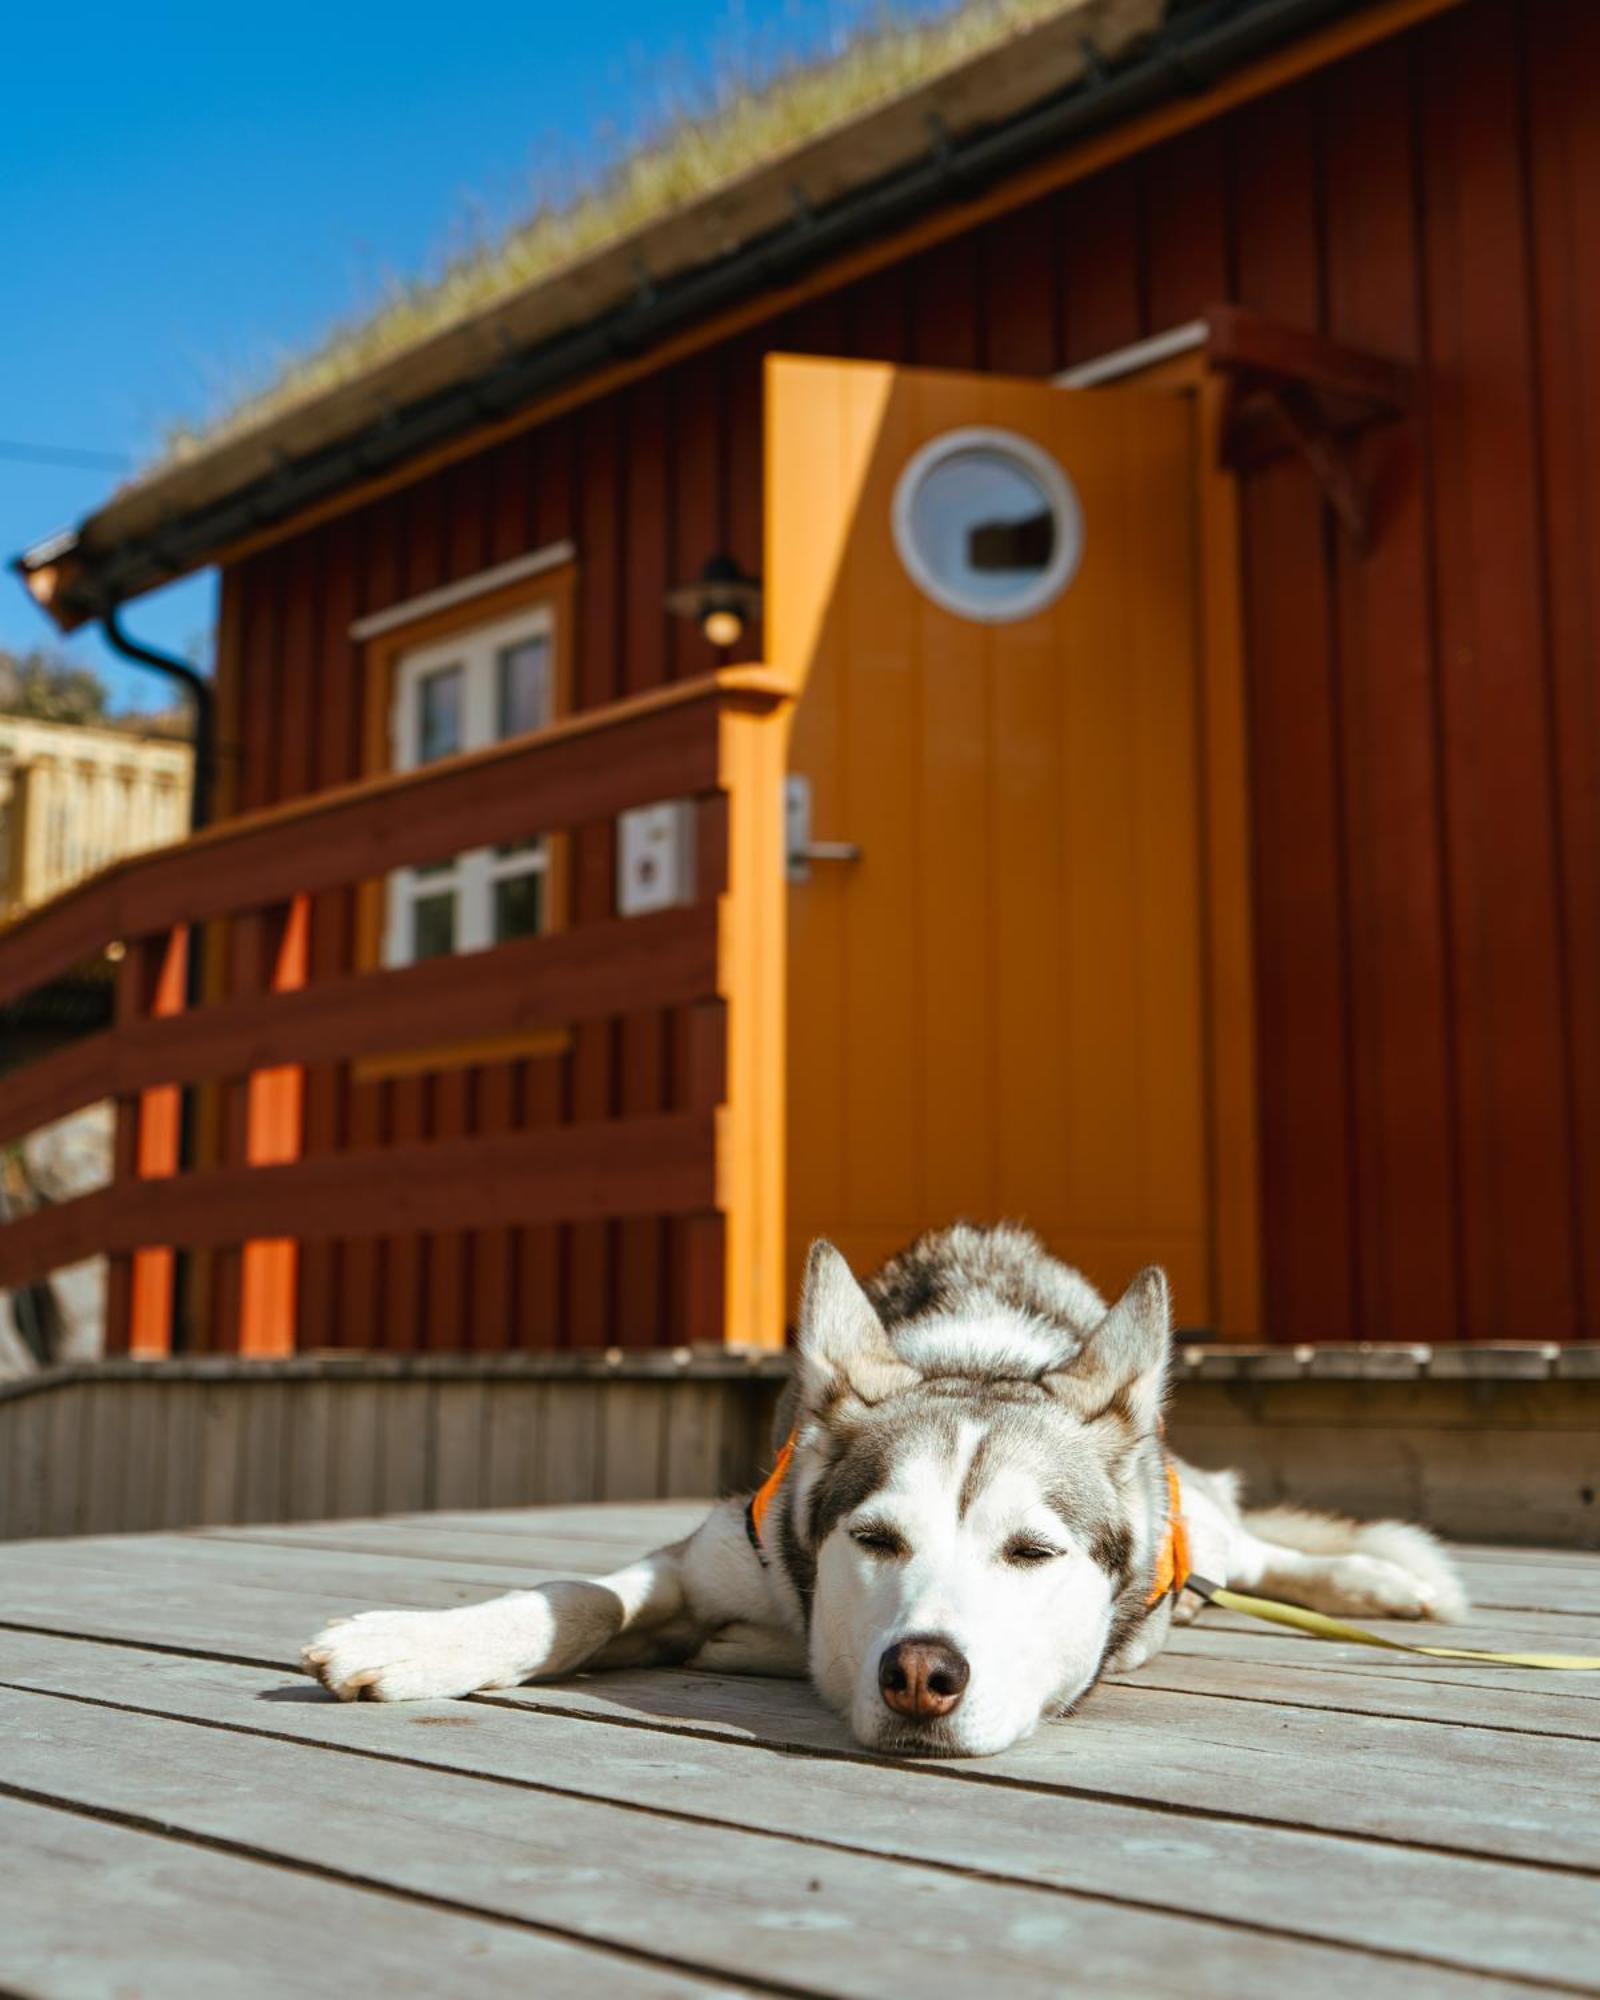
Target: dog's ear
(844,1350)
(1120,1373)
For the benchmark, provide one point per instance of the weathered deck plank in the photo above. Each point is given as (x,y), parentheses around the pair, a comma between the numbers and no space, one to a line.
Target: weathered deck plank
(1254,1814)
(1561,1580)
(172,1918)
(596,1872)
(1391,1901)
(127,1582)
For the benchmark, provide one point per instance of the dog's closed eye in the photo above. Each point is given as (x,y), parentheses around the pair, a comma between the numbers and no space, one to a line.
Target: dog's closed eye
(1027,1552)
(879,1539)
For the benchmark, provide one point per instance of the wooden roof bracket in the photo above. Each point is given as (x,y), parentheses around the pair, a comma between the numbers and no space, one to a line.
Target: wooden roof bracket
(1289,390)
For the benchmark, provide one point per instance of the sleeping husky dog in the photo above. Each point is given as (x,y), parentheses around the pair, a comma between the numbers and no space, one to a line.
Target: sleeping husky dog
(969,1523)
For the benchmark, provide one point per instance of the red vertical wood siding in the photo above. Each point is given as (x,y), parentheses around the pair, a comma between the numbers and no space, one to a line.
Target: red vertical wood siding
(1425,718)
(1301,847)
(1562,81)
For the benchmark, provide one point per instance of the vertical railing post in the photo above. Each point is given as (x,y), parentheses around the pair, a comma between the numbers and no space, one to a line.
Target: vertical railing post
(753,753)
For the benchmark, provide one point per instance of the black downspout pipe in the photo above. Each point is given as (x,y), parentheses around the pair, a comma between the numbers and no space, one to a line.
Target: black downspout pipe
(202,699)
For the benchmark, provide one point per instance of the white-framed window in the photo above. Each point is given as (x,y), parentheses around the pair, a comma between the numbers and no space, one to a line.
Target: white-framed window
(448,696)
(987,524)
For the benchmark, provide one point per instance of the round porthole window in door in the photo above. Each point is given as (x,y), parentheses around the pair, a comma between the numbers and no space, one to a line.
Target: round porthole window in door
(988,524)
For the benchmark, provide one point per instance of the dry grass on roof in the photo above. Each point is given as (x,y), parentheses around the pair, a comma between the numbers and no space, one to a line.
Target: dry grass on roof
(750,120)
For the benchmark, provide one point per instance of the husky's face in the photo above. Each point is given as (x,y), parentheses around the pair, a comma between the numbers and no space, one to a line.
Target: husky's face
(982,1525)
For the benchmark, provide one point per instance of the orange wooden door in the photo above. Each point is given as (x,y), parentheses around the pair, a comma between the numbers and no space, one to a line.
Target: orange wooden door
(997,1011)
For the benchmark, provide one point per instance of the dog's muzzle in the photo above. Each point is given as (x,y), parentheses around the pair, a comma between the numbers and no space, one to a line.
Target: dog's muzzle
(922,1677)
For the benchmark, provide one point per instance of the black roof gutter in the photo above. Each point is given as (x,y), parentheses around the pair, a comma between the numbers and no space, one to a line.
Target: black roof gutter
(1197,47)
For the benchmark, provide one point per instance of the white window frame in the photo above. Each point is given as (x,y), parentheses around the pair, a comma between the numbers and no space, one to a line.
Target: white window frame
(1060,495)
(473,876)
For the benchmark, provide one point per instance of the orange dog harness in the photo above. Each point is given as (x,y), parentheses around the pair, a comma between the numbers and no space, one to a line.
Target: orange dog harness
(755,1513)
(1172,1563)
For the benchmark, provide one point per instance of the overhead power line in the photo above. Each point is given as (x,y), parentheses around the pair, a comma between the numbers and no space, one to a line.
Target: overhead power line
(63,454)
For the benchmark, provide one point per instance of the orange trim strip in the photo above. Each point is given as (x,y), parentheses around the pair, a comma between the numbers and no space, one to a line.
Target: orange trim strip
(273,1137)
(160,1124)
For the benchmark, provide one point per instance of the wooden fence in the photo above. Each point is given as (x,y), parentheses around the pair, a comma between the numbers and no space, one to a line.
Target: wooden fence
(712,1163)
(1496,1444)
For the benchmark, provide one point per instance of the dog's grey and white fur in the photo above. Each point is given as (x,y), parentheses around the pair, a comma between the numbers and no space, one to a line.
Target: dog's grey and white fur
(967,1535)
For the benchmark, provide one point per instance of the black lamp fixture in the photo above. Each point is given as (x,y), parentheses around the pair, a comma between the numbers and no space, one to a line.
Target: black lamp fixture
(722,601)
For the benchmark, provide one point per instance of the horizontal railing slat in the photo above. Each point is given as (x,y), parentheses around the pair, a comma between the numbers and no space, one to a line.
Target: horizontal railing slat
(586,768)
(574,1173)
(484,800)
(51,1238)
(584,974)
(52,1085)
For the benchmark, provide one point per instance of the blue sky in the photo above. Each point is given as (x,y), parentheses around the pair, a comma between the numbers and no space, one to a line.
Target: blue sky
(190,189)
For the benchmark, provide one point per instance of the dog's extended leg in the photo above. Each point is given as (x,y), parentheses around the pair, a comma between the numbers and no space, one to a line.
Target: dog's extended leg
(1375,1569)
(635,1615)
(1344,1568)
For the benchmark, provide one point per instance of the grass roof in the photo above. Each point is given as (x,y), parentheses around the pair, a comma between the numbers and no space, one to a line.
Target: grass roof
(747,119)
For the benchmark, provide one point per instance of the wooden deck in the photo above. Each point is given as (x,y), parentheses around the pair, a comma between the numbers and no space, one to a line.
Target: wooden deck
(1255,1814)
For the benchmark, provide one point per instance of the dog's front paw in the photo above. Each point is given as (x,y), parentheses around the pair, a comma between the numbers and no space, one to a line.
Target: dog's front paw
(411,1655)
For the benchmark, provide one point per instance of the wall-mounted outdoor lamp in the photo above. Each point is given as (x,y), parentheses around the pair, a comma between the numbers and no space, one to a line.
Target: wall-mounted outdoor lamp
(722,601)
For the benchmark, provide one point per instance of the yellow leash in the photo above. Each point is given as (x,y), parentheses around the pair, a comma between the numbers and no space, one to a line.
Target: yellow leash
(1319,1627)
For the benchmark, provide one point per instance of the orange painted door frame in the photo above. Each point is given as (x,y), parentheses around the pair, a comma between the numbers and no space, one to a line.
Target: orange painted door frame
(1006,1008)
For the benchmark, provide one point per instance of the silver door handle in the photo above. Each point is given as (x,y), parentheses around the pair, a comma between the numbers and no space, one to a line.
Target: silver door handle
(799,849)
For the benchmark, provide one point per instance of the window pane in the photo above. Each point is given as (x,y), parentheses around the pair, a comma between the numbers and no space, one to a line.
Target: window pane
(980,520)
(522,696)
(439,714)
(518,907)
(433,925)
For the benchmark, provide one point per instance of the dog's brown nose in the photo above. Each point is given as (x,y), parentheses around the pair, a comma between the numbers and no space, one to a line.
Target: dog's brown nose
(922,1678)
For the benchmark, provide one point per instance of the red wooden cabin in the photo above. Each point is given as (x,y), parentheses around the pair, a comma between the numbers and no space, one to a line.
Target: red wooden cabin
(1299,299)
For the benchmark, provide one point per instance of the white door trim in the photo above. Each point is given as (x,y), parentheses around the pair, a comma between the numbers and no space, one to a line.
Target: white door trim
(1129,360)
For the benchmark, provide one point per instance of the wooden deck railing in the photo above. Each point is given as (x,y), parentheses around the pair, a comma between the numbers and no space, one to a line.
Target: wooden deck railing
(715,1158)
